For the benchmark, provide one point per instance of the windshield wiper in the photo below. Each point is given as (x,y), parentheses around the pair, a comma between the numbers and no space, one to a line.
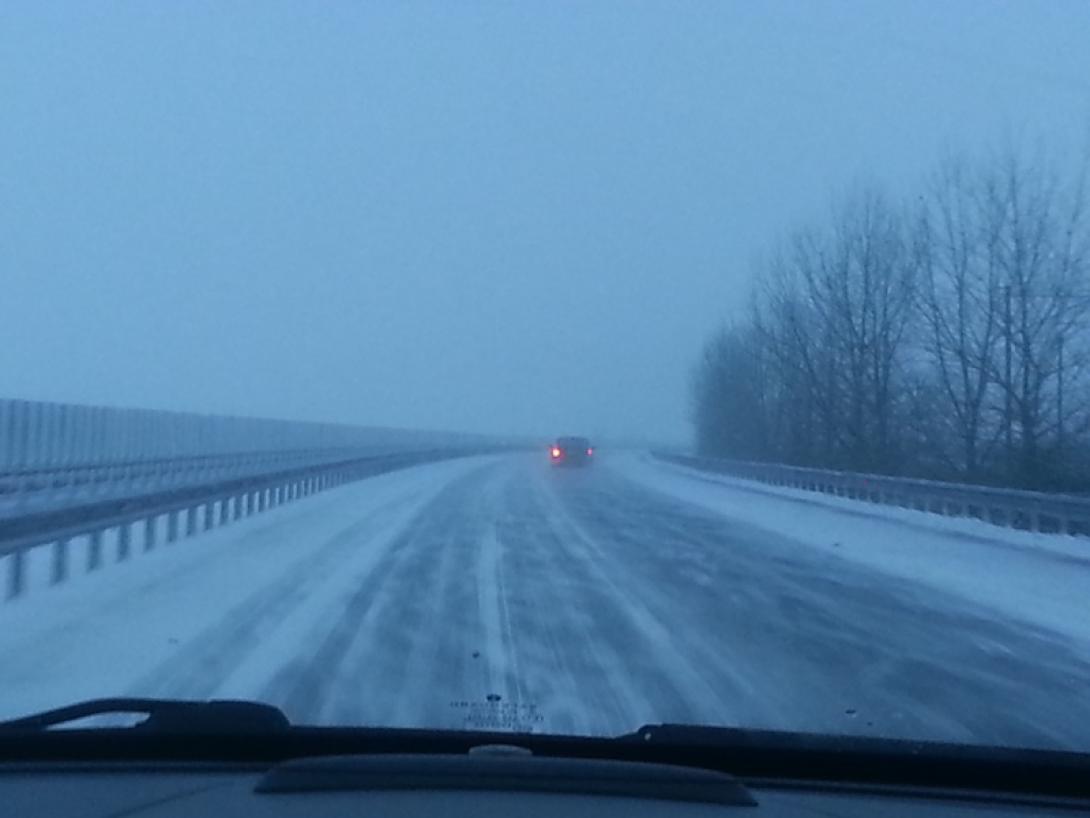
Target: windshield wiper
(251,732)
(165,716)
(753,754)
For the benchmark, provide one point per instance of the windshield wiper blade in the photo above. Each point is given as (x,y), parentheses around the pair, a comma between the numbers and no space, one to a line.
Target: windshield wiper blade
(165,715)
(772,754)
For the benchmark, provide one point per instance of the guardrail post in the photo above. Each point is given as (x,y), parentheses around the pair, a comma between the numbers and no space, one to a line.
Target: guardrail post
(16,569)
(191,521)
(210,515)
(124,537)
(172,526)
(240,502)
(94,551)
(225,510)
(149,533)
(60,561)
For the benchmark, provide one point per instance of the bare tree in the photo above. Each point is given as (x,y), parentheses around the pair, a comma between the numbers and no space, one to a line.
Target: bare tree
(800,361)
(959,303)
(730,406)
(860,284)
(917,341)
(1038,230)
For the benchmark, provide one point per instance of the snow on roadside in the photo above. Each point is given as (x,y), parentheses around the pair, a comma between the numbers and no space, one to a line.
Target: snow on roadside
(1070,546)
(93,637)
(1041,579)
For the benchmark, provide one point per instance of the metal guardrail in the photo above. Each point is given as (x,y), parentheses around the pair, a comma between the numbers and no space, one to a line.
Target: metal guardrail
(188,510)
(25,490)
(1026,510)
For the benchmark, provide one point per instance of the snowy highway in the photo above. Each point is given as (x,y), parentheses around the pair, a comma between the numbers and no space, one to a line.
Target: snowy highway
(498,592)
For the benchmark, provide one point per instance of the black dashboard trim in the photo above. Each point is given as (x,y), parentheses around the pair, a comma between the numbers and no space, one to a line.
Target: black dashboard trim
(750,755)
(510,774)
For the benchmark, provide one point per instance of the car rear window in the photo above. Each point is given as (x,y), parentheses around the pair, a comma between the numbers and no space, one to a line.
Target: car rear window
(573,443)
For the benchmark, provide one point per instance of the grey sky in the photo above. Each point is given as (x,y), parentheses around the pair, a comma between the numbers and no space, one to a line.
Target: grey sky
(483,216)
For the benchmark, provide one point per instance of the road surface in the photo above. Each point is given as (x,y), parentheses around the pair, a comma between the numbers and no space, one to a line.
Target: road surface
(499,592)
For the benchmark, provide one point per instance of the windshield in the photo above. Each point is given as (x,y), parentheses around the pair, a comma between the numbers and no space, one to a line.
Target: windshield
(309,316)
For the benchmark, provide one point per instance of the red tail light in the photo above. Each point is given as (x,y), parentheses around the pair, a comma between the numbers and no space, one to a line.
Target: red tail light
(590,452)
(555,452)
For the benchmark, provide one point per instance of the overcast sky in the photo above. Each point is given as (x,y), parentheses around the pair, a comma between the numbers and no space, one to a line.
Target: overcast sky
(483,216)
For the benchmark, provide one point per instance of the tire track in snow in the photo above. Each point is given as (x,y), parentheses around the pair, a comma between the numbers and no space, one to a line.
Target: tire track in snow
(561,674)
(608,605)
(648,641)
(199,668)
(360,672)
(832,646)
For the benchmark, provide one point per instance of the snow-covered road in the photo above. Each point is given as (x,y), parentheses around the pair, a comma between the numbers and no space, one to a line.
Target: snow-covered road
(495,591)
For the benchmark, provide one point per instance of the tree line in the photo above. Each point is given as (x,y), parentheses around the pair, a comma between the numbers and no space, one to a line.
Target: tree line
(942,336)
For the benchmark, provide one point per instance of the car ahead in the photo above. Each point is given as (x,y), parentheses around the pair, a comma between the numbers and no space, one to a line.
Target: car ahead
(571,451)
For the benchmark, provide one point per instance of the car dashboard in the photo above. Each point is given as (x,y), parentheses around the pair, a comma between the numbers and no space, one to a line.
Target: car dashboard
(363,788)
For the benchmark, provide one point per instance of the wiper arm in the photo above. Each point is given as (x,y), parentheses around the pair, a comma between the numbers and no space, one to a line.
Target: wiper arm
(165,715)
(734,739)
